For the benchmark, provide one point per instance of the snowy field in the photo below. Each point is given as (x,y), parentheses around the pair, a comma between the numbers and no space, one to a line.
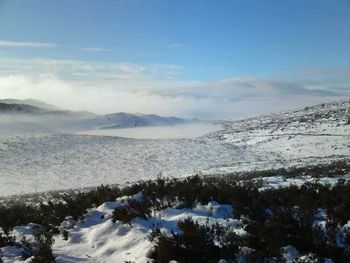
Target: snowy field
(42,163)
(36,163)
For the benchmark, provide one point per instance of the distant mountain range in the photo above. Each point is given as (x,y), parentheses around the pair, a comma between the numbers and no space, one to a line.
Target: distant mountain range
(122,120)
(37,107)
(19,108)
(31,102)
(17,116)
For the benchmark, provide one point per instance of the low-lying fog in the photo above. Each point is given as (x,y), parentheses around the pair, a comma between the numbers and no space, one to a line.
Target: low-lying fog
(184,131)
(134,127)
(20,124)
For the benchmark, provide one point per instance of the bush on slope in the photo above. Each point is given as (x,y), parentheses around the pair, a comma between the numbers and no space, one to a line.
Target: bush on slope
(274,218)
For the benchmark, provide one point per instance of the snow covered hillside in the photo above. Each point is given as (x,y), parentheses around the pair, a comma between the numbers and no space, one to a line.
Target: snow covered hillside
(317,134)
(314,134)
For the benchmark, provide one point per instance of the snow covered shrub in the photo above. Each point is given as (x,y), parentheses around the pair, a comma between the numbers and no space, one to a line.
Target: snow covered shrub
(42,246)
(7,240)
(160,192)
(40,249)
(102,194)
(273,218)
(309,258)
(131,209)
(291,221)
(187,191)
(123,214)
(65,234)
(183,193)
(282,229)
(195,243)
(17,214)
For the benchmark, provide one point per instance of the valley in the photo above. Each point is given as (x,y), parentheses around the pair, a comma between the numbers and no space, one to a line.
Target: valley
(314,135)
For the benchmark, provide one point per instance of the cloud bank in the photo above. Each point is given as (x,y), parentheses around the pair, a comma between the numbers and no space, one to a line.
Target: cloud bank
(112,87)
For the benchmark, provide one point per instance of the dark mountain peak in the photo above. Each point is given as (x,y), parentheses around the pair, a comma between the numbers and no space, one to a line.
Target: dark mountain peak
(32,102)
(123,120)
(19,108)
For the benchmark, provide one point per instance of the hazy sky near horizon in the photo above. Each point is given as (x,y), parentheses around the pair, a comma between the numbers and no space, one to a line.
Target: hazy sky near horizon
(206,59)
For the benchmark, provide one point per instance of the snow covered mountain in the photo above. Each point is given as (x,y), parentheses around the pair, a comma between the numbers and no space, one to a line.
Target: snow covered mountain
(124,120)
(313,134)
(16,117)
(19,108)
(32,102)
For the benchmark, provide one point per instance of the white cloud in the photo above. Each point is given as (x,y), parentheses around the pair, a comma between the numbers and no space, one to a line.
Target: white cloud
(95,49)
(111,87)
(101,98)
(161,98)
(25,44)
(84,70)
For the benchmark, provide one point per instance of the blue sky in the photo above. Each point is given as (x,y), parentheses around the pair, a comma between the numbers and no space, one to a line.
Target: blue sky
(184,46)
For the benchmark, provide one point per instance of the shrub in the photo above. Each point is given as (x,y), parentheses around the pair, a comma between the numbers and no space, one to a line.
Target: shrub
(7,240)
(131,209)
(41,249)
(196,243)
(273,217)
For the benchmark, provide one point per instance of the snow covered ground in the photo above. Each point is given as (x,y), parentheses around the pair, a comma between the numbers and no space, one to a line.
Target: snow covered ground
(96,238)
(276,182)
(312,135)
(32,163)
(41,163)
(35,163)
